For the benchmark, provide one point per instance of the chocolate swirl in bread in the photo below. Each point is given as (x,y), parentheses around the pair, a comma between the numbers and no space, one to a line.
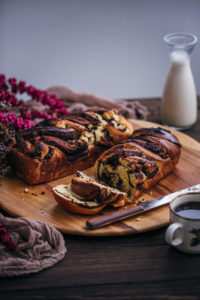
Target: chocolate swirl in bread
(87,196)
(59,147)
(72,202)
(138,163)
(90,189)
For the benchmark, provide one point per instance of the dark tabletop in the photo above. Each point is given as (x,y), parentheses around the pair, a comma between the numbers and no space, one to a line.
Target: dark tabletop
(140,266)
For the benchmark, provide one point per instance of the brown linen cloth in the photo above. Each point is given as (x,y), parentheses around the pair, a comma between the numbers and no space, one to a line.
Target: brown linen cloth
(80,101)
(39,246)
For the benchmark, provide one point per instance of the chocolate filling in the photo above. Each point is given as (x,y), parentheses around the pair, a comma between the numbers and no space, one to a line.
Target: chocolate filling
(37,152)
(140,186)
(150,175)
(72,158)
(112,123)
(91,119)
(67,148)
(62,133)
(77,120)
(136,173)
(158,132)
(45,123)
(49,154)
(113,160)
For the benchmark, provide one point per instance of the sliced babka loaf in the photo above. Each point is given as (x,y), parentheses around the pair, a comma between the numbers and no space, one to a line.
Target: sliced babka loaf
(90,189)
(70,201)
(138,163)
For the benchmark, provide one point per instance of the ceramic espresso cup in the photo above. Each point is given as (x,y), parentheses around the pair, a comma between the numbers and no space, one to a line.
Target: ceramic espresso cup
(184,231)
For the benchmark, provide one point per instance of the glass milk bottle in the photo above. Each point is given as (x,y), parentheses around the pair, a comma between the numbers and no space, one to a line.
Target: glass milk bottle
(179,101)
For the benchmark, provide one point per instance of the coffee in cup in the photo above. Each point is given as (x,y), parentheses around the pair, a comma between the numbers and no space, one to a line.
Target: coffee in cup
(184,230)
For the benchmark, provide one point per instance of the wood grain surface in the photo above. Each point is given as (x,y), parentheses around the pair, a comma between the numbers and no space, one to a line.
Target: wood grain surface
(38,203)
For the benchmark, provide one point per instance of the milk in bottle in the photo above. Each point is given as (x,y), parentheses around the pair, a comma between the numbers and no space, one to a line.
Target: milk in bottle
(179,101)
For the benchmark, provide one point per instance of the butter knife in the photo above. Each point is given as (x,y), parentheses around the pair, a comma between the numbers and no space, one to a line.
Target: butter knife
(107,219)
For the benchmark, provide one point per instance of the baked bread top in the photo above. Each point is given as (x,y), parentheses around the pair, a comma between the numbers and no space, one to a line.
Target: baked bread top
(59,147)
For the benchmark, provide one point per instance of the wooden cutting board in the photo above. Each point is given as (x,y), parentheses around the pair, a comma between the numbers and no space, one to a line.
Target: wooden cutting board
(37,202)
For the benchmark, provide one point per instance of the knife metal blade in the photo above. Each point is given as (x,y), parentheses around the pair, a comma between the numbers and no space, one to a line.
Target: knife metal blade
(107,219)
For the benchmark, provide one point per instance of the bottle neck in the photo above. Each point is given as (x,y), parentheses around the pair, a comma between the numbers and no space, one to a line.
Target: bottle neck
(179,58)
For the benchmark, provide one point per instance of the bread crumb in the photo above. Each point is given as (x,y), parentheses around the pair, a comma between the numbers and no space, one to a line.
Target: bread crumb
(138,219)
(33,194)
(26,190)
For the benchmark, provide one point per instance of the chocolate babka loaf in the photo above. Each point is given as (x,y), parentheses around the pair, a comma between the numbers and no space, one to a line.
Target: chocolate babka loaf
(137,164)
(59,147)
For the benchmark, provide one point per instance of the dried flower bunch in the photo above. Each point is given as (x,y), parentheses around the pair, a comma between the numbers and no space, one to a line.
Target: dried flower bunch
(22,116)
(17,114)
(5,238)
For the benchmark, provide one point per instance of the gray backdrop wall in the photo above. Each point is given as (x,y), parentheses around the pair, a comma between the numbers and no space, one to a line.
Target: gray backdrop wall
(113,48)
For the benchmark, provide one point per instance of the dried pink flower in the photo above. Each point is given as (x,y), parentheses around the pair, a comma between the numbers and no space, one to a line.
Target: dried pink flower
(9,89)
(5,239)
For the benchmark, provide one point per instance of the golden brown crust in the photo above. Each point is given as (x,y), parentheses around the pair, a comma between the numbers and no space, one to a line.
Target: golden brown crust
(59,147)
(117,135)
(138,163)
(34,171)
(68,205)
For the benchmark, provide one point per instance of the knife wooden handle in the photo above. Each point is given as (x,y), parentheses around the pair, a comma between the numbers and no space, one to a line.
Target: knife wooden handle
(100,221)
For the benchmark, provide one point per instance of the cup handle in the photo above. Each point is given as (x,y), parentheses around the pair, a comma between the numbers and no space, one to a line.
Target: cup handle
(170,235)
